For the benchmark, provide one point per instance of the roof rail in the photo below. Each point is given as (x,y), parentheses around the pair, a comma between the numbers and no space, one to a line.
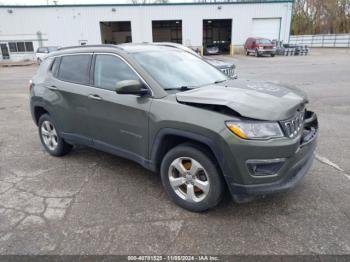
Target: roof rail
(86,46)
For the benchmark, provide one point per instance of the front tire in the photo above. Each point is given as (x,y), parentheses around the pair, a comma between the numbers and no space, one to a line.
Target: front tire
(191,178)
(50,138)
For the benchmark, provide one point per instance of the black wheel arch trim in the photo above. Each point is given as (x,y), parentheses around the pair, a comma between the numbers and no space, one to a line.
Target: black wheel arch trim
(156,148)
(39,103)
(35,104)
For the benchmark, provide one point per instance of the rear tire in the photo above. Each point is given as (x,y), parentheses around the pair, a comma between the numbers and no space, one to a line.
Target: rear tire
(50,137)
(191,178)
(272,55)
(247,53)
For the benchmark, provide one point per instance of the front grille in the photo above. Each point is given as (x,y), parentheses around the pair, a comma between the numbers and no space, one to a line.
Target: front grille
(294,125)
(228,71)
(267,47)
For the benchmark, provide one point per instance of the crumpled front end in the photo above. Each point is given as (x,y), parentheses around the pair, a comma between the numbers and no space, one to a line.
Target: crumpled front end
(265,167)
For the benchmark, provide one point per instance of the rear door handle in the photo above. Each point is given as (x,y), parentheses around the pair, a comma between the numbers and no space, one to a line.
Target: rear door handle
(53,87)
(95,97)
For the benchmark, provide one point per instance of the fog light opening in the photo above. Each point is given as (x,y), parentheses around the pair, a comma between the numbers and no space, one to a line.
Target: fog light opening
(269,167)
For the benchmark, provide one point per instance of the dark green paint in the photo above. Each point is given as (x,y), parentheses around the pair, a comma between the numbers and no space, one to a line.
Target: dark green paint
(129,125)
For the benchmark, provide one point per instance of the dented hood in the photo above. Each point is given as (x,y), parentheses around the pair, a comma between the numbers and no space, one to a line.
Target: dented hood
(252,99)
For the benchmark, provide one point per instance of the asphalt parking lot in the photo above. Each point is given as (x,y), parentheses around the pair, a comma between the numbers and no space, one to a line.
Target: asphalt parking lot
(89,202)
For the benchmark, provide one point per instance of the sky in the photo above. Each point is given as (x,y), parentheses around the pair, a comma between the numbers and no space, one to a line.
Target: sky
(44,2)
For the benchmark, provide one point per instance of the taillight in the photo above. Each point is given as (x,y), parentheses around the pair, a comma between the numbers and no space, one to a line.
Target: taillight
(30,85)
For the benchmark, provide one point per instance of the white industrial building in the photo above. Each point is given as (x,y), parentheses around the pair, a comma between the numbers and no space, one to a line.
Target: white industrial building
(228,24)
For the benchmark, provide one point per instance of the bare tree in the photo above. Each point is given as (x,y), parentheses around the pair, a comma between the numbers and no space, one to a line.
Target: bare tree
(321,17)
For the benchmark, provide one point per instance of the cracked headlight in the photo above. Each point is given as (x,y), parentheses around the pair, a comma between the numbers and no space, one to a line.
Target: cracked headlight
(255,130)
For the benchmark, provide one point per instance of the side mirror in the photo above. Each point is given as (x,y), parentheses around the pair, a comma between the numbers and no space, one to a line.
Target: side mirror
(131,87)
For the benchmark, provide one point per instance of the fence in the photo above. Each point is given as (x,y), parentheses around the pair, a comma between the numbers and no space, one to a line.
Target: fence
(338,40)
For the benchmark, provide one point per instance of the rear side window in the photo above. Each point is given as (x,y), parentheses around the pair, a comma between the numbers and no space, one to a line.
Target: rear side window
(75,69)
(109,70)
(55,66)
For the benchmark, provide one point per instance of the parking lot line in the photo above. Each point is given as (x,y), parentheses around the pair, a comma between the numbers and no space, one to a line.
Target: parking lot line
(328,162)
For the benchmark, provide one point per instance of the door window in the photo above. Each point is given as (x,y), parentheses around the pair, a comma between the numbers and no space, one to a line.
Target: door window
(109,70)
(75,69)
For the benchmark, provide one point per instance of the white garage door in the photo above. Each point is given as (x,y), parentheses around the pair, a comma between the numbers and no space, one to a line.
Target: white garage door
(267,28)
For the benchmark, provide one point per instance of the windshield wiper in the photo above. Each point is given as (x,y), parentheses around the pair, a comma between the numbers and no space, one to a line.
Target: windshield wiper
(181,88)
(220,81)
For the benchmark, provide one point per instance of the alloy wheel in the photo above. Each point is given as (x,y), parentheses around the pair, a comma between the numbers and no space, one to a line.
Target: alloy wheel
(189,179)
(49,135)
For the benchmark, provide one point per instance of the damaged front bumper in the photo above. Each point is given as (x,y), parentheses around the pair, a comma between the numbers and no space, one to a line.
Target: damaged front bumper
(280,171)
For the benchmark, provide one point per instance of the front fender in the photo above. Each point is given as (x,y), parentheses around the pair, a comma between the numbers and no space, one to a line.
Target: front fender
(156,148)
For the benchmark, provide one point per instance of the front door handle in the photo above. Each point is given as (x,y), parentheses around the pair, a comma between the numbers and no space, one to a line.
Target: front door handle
(95,97)
(53,87)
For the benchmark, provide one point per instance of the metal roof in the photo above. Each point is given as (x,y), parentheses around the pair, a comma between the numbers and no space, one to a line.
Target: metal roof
(152,4)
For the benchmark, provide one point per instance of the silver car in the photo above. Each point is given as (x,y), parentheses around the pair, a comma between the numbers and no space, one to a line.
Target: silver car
(226,67)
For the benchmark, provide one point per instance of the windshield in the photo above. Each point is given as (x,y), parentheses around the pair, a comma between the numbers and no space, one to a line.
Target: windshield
(178,69)
(263,41)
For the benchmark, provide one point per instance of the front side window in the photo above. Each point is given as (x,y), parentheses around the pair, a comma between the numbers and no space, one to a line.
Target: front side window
(177,69)
(109,70)
(75,68)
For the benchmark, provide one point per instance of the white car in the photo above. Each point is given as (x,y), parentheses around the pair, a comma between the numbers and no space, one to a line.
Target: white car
(43,52)
(212,50)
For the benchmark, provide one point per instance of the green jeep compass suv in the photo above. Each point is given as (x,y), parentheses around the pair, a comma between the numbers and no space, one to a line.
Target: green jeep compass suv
(174,113)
